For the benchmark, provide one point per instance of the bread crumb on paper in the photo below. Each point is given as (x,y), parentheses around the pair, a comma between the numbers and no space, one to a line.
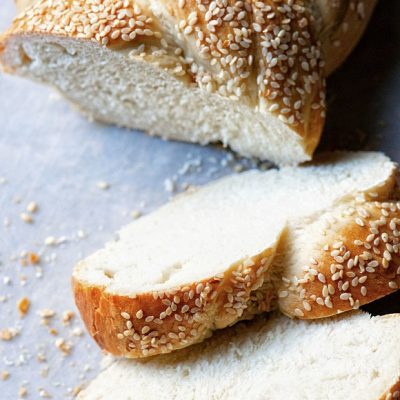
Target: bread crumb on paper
(8,334)
(4,375)
(22,391)
(23,306)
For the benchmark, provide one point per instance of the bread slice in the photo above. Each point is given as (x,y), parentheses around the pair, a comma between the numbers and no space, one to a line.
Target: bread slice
(351,357)
(346,258)
(248,74)
(205,260)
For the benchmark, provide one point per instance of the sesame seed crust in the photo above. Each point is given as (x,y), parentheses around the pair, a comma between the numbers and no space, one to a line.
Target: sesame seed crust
(289,73)
(359,263)
(268,54)
(160,322)
(394,392)
(106,22)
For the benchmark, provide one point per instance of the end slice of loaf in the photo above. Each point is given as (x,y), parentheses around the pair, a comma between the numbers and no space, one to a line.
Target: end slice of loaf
(351,357)
(346,258)
(205,260)
(249,74)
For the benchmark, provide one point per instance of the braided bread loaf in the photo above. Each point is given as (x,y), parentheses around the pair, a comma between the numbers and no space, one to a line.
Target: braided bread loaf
(250,74)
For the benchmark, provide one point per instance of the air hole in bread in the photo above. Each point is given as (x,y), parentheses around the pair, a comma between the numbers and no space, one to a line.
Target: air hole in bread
(167,274)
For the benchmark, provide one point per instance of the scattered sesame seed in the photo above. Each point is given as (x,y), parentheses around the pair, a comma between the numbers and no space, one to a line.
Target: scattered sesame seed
(32,207)
(50,241)
(27,218)
(102,184)
(135,214)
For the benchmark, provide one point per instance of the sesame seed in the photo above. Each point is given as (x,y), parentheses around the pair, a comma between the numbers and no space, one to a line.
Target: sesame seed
(336,276)
(145,329)
(32,207)
(185,309)
(373,264)
(102,184)
(26,218)
(199,288)
(345,286)
(328,302)
(359,222)
(387,255)
(139,314)
(298,312)
(173,335)
(345,296)
(320,301)
(125,315)
(331,289)
(393,285)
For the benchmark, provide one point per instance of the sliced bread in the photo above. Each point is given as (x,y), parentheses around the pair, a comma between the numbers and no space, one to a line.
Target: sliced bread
(206,260)
(349,357)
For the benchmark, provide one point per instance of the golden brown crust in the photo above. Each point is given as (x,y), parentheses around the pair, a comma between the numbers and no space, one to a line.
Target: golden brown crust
(393,393)
(357,263)
(160,322)
(344,23)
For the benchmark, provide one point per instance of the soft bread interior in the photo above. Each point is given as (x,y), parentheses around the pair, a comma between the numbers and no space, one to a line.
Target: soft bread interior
(202,234)
(352,357)
(192,238)
(142,92)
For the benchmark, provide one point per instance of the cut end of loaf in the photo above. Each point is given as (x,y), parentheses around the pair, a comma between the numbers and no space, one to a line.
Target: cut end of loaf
(252,80)
(353,259)
(145,97)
